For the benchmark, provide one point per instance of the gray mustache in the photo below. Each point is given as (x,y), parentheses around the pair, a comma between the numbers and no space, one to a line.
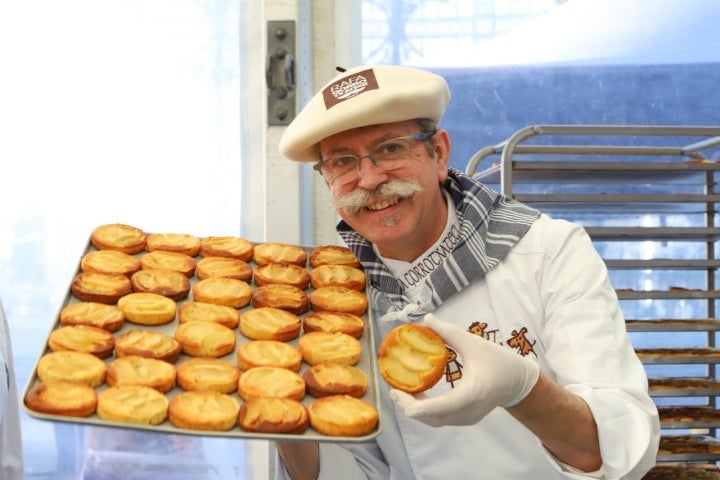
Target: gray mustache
(359,198)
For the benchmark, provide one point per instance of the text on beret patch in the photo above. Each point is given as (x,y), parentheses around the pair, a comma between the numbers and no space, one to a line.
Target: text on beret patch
(349,87)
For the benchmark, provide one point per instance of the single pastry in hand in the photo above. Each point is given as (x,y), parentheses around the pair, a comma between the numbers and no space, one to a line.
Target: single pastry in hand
(120,237)
(412,358)
(273,415)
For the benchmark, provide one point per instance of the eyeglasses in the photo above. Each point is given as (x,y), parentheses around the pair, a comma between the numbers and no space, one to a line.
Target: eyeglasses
(386,156)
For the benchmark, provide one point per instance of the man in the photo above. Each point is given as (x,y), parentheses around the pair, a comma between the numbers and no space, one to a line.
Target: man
(544,383)
(11,460)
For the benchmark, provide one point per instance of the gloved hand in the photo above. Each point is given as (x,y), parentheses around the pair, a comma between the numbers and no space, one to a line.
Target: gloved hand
(493,376)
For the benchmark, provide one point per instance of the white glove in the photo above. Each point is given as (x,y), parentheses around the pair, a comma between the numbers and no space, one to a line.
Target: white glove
(492,376)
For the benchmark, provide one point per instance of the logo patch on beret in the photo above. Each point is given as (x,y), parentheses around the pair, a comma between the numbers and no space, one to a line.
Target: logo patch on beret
(349,87)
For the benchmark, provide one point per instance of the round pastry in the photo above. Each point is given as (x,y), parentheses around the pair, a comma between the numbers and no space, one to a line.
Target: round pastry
(164,260)
(107,317)
(203,410)
(412,357)
(145,308)
(233,247)
(116,236)
(208,312)
(273,415)
(268,353)
(325,379)
(353,325)
(271,382)
(70,366)
(285,273)
(285,297)
(132,404)
(333,255)
(173,242)
(168,283)
(209,267)
(137,370)
(109,261)
(342,416)
(274,252)
(82,338)
(104,288)
(202,373)
(326,347)
(62,398)
(338,299)
(267,323)
(223,291)
(148,344)
(205,339)
(338,276)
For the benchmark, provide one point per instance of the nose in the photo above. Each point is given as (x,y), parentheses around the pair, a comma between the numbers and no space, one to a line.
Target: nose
(369,174)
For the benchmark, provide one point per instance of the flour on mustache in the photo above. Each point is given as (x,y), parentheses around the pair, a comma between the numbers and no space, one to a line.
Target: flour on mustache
(359,198)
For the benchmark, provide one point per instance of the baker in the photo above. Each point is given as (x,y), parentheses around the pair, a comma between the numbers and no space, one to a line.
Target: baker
(542,380)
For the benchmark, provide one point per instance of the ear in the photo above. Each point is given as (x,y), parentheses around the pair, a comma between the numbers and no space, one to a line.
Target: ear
(442,148)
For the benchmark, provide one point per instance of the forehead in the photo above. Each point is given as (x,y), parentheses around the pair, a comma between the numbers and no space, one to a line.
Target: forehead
(368,135)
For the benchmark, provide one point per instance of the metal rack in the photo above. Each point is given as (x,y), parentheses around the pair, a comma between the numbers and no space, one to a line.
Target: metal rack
(647,197)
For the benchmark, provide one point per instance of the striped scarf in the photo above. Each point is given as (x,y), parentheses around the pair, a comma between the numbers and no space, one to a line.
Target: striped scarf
(490,225)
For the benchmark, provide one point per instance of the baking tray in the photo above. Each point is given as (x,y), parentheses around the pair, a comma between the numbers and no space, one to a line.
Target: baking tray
(367,364)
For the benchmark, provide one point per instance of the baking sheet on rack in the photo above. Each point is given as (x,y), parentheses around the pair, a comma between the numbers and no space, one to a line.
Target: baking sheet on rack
(367,364)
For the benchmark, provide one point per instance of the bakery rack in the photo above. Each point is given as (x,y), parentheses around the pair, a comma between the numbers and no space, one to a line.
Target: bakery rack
(647,197)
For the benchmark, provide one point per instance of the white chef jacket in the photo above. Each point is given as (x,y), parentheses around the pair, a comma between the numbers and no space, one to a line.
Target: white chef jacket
(11,460)
(550,299)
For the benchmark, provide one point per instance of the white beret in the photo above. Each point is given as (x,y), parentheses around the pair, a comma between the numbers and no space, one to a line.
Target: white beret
(366,95)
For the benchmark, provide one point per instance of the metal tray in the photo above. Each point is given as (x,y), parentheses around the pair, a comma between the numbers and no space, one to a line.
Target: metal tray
(366,363)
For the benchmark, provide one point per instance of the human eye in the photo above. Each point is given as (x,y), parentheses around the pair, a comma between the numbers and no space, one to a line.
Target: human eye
(339,165)
(392,148)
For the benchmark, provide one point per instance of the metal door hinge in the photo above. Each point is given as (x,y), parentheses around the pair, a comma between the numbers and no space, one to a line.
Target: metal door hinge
(280,72)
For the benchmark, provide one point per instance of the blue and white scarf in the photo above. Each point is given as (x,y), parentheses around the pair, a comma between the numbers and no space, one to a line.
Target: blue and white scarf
(490,225)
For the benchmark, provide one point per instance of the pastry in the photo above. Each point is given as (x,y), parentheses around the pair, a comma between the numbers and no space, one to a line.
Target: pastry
(268,353)
(132,404)
(145,308)
(342,416)
(109,261)
(285,297)
(338,276)
(191,311)
(82,338)
(163,260)
(203,410)
(271,382)
(327,321)
(325,379)
(325,347)
(201,373)
(205,339)
(338,299)
(70,366)
(412,358)
(267,323)
(226,246)
(274,252)
(168,283)
(104,288)
(62,398)
(107,317)
(223,267)
(273,415)
(223,291)
(147,344)
(120,237)
(173,242)
(137,370)
(333,255)
(285,273)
